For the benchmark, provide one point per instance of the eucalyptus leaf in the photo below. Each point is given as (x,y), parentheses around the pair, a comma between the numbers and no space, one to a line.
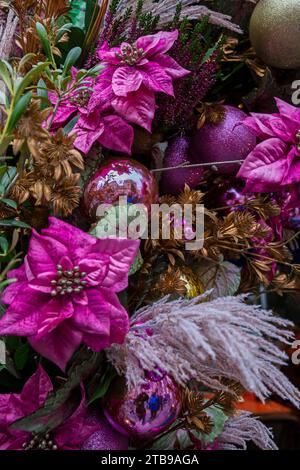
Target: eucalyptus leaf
(10,203)
(13,223)
(18,111)
(71,124)
(5,75)
(29,78)
(7,175)
(71,59)
(4,245)
(43,36)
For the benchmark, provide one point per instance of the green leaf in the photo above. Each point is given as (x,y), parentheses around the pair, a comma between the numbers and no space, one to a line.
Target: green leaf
(71,124)
(5,75)
(219,419)
(7,175)
(25,59)
(104,384)
(223,277)
(62,403)
(18,111)
(13,223)
(21,356)
(4,245)
(9,203)
(43,36)
(4,99)
(92,9)
(42,93)
(71,59)
(29,78)
(66,28)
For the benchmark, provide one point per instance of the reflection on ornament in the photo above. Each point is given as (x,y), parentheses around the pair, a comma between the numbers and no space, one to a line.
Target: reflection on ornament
(146,411)
(177,154)
(275,32)
(120,177)
(226,141)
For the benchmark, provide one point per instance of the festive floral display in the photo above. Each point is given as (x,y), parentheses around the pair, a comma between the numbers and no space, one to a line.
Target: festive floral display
(65,292)
(151,301)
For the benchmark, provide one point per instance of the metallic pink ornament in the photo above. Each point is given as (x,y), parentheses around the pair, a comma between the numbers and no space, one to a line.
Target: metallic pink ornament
(226,141)
(106,438)
(146,411)
(120,177)
(173,181)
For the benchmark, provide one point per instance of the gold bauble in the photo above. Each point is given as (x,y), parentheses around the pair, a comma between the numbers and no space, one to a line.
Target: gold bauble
(275,32)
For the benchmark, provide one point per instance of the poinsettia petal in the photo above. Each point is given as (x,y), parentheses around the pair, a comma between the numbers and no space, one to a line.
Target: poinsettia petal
(94,317)
(288,110)
(85,135)
(292,174)
(73,432)
(156,79)
(36,390)
(118,135)
(12,291)
(59,345)
(121,254)
(94,268)
(170,66)
(138,107)
(72,237)
(44,253)
(119,319)
(21,318)
(268,125)
(109,54)
(267,163)
(158,43)
(52,314)
(125,80)
(103,93)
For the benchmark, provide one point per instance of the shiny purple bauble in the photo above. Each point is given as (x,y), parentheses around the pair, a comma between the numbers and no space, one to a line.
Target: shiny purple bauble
(106,438)
(120,177)
(173,181)
(226,141)
(146,411)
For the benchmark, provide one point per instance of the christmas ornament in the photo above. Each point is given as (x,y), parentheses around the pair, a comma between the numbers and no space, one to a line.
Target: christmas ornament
(226,141)
(275,32)
(106,438)
(177,154)
(145,411)
(120,177)
(193,284)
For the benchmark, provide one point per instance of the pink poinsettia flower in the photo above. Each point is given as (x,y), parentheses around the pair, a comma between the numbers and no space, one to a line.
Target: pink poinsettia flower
(65,292)
(135,73)
(275,162)
(68,436)
(98,123)
(110,130)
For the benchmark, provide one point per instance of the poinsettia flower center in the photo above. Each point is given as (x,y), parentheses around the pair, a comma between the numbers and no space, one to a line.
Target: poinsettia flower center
(81,98)
(68,282)
(130,54)
(40,442)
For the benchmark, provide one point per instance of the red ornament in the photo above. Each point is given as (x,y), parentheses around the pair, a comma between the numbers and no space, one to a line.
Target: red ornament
(120,177)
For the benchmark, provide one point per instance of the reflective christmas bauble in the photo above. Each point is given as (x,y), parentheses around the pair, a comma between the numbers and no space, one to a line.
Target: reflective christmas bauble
(120,177)
(177,154)
(146,411)
(193,284)
(228,140)
(275,32)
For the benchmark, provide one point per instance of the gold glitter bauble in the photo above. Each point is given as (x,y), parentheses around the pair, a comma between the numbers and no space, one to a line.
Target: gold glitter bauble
(275,32)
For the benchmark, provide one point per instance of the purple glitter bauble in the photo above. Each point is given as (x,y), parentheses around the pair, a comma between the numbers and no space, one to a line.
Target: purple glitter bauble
(173,181)
(144,412)
(226,141)
(106,438)
(120,177)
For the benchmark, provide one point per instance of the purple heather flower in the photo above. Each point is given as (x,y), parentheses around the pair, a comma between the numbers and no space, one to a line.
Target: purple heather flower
(65,292)
(275,162)
(68,436)
(135,72)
